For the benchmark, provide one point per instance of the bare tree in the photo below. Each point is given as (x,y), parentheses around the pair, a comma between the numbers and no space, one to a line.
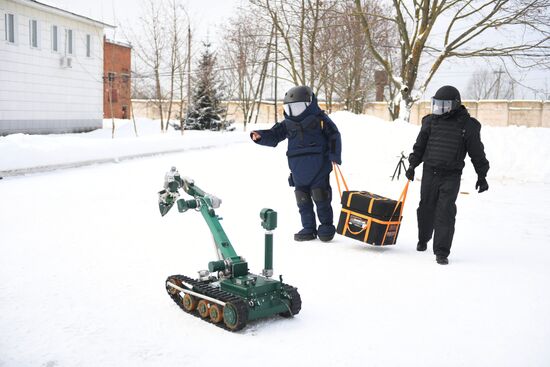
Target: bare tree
(175,45)
(353,70)
(142,88)
(330,55)
(245,54)
(324,46)
(467,22)
(298,23)
(184,58)
(150,47)
(181,83)
(490,84)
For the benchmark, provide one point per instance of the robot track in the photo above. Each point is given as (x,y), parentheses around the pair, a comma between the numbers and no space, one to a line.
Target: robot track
(200,299)
(208,303)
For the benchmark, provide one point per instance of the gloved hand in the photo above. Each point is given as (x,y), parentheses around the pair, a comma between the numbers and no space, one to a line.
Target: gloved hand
(254,135)
(410,173)
(482,184)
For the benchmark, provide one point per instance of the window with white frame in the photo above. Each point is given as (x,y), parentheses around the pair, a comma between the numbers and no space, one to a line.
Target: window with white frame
(55,37)
(33,33)
(88,45)
(69,41)
(9,23)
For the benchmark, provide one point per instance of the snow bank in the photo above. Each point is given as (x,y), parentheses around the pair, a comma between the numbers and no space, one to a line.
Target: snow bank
(515,153)
(22,151)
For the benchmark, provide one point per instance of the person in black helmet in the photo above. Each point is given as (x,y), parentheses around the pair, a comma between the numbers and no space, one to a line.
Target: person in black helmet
(313,144)
(446,135)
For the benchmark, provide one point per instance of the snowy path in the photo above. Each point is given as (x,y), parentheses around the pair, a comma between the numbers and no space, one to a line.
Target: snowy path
(84,254)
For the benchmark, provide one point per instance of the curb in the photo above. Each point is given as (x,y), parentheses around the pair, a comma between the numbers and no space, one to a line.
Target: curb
(55,167)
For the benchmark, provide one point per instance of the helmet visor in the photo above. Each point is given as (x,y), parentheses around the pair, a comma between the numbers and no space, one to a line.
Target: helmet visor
(295,108)
(440,106)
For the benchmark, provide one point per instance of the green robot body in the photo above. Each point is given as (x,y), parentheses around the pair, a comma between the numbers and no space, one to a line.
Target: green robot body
(226,294)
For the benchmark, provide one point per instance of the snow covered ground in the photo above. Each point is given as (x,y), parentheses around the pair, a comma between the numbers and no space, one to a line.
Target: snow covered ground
(84,254)
(23,153)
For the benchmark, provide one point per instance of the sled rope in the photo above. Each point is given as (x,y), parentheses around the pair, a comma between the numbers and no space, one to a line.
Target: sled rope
(401,200)
(337,172)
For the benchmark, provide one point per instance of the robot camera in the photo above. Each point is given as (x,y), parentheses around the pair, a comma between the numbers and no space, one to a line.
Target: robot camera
(269,219)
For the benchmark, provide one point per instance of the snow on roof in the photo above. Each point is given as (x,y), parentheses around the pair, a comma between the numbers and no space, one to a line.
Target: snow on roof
(118,43)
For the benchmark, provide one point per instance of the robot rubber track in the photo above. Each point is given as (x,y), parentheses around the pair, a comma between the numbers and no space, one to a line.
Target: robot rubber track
(238,304)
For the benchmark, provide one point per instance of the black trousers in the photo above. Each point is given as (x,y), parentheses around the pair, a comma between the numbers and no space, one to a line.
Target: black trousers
(437,209)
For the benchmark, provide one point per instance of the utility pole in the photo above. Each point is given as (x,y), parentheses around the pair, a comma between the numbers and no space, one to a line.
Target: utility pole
(111,79)
(276,64)
(499,73)
(188,65)
(263,74)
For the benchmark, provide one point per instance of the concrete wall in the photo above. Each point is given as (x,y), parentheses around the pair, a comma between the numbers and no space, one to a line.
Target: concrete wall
(498,112)
(528,113)
(545,115)
(378,109)
(148,108)
(38,94)
(267,111)
(489,113)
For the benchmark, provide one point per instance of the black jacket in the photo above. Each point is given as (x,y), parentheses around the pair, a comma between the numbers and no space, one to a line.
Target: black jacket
(445,139)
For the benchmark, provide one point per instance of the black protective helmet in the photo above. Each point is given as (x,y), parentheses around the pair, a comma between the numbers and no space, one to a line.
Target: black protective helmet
(446,99)
(297,100)
(300,93)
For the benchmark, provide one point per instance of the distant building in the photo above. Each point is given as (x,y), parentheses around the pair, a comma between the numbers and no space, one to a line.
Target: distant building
(51,69)
(117,61)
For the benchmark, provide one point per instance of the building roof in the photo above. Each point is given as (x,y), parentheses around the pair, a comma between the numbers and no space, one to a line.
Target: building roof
(52,9)
(118,43)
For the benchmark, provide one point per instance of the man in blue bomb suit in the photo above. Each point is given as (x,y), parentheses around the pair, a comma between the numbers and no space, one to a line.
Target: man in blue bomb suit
(314,143)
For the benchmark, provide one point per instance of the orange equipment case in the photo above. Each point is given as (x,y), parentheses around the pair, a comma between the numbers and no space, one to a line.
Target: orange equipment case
(368,217)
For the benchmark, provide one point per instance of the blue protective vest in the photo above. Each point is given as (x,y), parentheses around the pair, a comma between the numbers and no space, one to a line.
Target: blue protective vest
(308,148)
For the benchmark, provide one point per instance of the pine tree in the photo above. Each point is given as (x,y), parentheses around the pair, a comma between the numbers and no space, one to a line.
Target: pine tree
(206,110)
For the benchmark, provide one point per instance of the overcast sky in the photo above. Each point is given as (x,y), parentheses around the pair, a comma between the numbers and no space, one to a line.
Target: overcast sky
(207,15)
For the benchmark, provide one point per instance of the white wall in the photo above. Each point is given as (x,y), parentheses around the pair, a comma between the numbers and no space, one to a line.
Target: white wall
(37,95)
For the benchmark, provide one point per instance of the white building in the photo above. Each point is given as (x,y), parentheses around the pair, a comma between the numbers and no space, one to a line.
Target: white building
(51,69)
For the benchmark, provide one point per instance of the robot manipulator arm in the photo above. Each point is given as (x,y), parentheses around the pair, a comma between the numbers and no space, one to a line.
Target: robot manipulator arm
(170,194)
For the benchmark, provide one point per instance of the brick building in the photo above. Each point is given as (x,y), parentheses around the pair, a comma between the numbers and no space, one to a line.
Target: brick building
(116,80)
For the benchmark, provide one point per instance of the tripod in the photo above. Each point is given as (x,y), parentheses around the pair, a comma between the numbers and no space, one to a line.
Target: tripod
(400,165)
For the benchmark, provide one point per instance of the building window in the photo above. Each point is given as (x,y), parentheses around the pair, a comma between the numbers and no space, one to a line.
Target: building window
(9,22)
(69,40)
(55,46)
(33,33)
(125,78)
(88,45)
(114,95)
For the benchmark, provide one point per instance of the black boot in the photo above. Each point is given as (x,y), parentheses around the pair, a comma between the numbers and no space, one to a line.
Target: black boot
(441,260)
(326,238)
(305,235)
(326,232)
(421,246)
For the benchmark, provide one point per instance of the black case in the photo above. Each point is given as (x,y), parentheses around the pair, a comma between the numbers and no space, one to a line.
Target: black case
(369,218)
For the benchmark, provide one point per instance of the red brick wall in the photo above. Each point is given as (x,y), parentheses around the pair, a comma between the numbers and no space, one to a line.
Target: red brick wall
(117,77)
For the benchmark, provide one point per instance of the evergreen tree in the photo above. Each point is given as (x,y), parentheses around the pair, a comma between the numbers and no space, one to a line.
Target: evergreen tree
(206,110)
